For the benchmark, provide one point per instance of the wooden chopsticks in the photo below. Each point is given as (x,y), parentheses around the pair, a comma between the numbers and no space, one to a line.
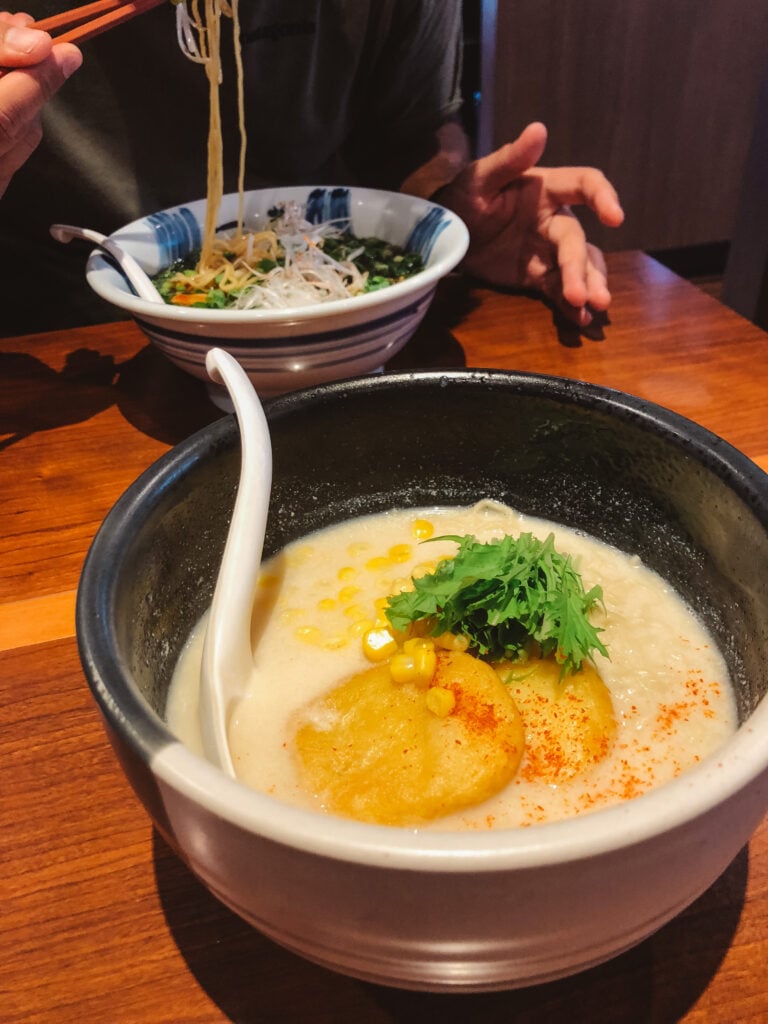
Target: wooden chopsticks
(93,19)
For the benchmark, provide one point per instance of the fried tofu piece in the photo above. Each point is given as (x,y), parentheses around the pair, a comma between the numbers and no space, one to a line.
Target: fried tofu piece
(569,722)
(401,754)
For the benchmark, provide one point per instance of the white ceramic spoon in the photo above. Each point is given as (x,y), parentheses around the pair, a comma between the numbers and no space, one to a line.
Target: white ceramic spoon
(227,653)
(127,264)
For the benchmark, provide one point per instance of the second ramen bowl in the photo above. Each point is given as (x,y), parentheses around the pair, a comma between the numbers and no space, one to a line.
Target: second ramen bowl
(285,349)
(444,911)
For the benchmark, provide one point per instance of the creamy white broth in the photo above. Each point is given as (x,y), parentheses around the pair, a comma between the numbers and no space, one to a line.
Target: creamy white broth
(669,685)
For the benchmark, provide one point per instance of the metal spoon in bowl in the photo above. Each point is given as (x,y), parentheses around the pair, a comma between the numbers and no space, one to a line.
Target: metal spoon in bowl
(126,263)
(227,653)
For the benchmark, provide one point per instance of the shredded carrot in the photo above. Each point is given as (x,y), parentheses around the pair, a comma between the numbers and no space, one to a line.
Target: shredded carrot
(188,298)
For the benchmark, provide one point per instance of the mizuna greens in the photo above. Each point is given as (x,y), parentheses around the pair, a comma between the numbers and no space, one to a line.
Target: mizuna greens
(502,595)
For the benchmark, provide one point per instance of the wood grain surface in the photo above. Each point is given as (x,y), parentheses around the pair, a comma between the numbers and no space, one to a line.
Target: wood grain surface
(100,920)
(661,96)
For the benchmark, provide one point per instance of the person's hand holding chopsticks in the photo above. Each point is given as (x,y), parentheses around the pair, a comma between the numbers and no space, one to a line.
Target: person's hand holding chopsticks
(33,71)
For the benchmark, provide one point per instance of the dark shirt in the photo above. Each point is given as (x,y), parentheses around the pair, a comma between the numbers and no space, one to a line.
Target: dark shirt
(336,92)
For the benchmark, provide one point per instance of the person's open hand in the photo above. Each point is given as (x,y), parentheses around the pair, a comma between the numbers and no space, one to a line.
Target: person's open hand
(522,230)
(32,70)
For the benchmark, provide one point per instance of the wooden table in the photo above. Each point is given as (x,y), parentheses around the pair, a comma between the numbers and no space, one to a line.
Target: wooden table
(100,921)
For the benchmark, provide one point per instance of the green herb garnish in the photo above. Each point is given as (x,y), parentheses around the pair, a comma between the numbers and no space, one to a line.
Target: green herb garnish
(502,595)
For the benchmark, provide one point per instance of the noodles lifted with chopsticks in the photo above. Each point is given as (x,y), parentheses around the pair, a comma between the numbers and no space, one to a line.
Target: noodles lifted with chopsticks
(290,262)
(199,35)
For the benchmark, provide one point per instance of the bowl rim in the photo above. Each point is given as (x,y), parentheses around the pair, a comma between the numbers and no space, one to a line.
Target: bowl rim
(98,264)
(736,764)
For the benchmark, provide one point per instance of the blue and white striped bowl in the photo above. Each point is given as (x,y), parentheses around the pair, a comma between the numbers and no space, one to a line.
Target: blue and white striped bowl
(282,350)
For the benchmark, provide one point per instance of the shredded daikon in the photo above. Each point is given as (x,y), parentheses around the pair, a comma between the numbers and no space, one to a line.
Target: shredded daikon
(307,274)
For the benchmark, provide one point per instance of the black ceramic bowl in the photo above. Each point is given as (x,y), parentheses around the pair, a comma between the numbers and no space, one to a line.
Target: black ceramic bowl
(368,900)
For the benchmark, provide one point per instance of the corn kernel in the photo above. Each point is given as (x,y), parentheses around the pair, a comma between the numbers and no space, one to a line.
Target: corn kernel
(334,643)
(309,634)
(402,668)
(440,701)
(288,615)
(360,627)
(400,553)
(377,563)
(354,611)
(423,569)
(327,604)
(452,641)
(301,554)
(400,585)
(378,644)
(346,594)
(381,615)
(416,665)
(420,628)
(357,548)
(418,643)
(422,529)
(346,572)
(425,661)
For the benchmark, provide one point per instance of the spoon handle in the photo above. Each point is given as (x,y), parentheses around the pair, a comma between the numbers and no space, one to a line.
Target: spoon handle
(227,652)
(137,277)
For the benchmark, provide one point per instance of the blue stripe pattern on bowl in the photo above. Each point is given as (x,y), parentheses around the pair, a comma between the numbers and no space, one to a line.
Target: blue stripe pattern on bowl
(328,204)
(336,336)
(424,233)
(366,350)
(177,233)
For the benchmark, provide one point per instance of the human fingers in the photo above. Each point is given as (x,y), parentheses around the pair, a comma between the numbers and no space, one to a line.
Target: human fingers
(23,92)
(570,243)
(491,174)
(583,277)
(19,18)
(21,46)
(582,186)
(598,293)
(600,195)
(585,280)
